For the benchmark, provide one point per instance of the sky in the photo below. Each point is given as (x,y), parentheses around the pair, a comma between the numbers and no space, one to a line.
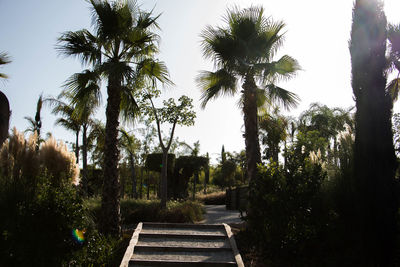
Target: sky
(317,35)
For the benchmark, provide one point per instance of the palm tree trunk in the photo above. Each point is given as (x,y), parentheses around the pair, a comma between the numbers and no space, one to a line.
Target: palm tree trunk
(110,204)
(253,154)
(77,146)
(84,160)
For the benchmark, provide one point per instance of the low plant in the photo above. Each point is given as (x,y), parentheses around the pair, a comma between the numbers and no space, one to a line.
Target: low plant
(215,198)
(134,211)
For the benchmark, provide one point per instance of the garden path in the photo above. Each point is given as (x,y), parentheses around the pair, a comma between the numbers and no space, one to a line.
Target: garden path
(219,214)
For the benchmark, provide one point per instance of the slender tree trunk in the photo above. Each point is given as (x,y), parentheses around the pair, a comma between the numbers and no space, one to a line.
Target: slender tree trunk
(164,183)
(206,177)
(77,146)
(374,157)
(4,117)
(148,185)
(133,177)
(84,160)
(195,178)
(253,154)
(141,183)
(110,205)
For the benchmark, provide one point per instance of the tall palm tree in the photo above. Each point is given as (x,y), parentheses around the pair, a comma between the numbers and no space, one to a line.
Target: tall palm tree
(4,59)
(76,118)
(67,119)
(122,50)
(243,53)
(35,124)
(273,126)
(130,144)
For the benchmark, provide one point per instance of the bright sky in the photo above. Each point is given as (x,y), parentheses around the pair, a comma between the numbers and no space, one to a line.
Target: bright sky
(317,36)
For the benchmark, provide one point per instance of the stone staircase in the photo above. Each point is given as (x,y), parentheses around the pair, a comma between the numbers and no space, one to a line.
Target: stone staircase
(177,244)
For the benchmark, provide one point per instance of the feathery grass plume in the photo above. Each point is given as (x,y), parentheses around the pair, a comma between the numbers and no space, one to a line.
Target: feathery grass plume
(59,162)
(18,158)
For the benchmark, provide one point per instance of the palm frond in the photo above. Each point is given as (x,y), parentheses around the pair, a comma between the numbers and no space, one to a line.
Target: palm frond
(84,87)
(393,89)
(129,107)
(283,69)
(215,84)
(81,44)
(281,96)
(4,59)
(152,70)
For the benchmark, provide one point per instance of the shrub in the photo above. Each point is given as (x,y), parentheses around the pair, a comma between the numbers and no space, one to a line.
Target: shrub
(215,198)
(59,162)
(36,228)
(37,216)
(134,211)
(288,218)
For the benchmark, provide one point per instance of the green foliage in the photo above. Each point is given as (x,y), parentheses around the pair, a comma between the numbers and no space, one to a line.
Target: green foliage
(40,207)
(215,198)
(288,218)
(154,162)
(225,175)
(311,141)
(99,250)
(37,223)
(185,167)
(139,210)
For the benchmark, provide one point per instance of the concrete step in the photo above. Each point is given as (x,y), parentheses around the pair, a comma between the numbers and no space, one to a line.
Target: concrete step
(186,256)
(163,263)
(182,241)
(158,244)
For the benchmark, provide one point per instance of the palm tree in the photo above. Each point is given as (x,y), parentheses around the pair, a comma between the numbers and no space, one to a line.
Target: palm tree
(67,119)
(35,124)
(130,144)
(121,50)
(4,59)
(4,104)
(243,52)
(273,126)
(76,118)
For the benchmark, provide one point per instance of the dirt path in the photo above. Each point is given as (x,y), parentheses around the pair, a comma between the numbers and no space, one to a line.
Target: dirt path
(219,214)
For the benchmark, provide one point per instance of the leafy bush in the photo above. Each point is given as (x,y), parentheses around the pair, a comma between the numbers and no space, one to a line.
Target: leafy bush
(216,198)
(36,228)
(37,214)
(288,218)
(138,210)
(99,250)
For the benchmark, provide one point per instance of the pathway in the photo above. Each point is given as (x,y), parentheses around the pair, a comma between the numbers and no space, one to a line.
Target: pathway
(219,214)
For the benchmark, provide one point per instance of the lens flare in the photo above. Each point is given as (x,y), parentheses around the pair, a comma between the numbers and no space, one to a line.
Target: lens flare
(79,235)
